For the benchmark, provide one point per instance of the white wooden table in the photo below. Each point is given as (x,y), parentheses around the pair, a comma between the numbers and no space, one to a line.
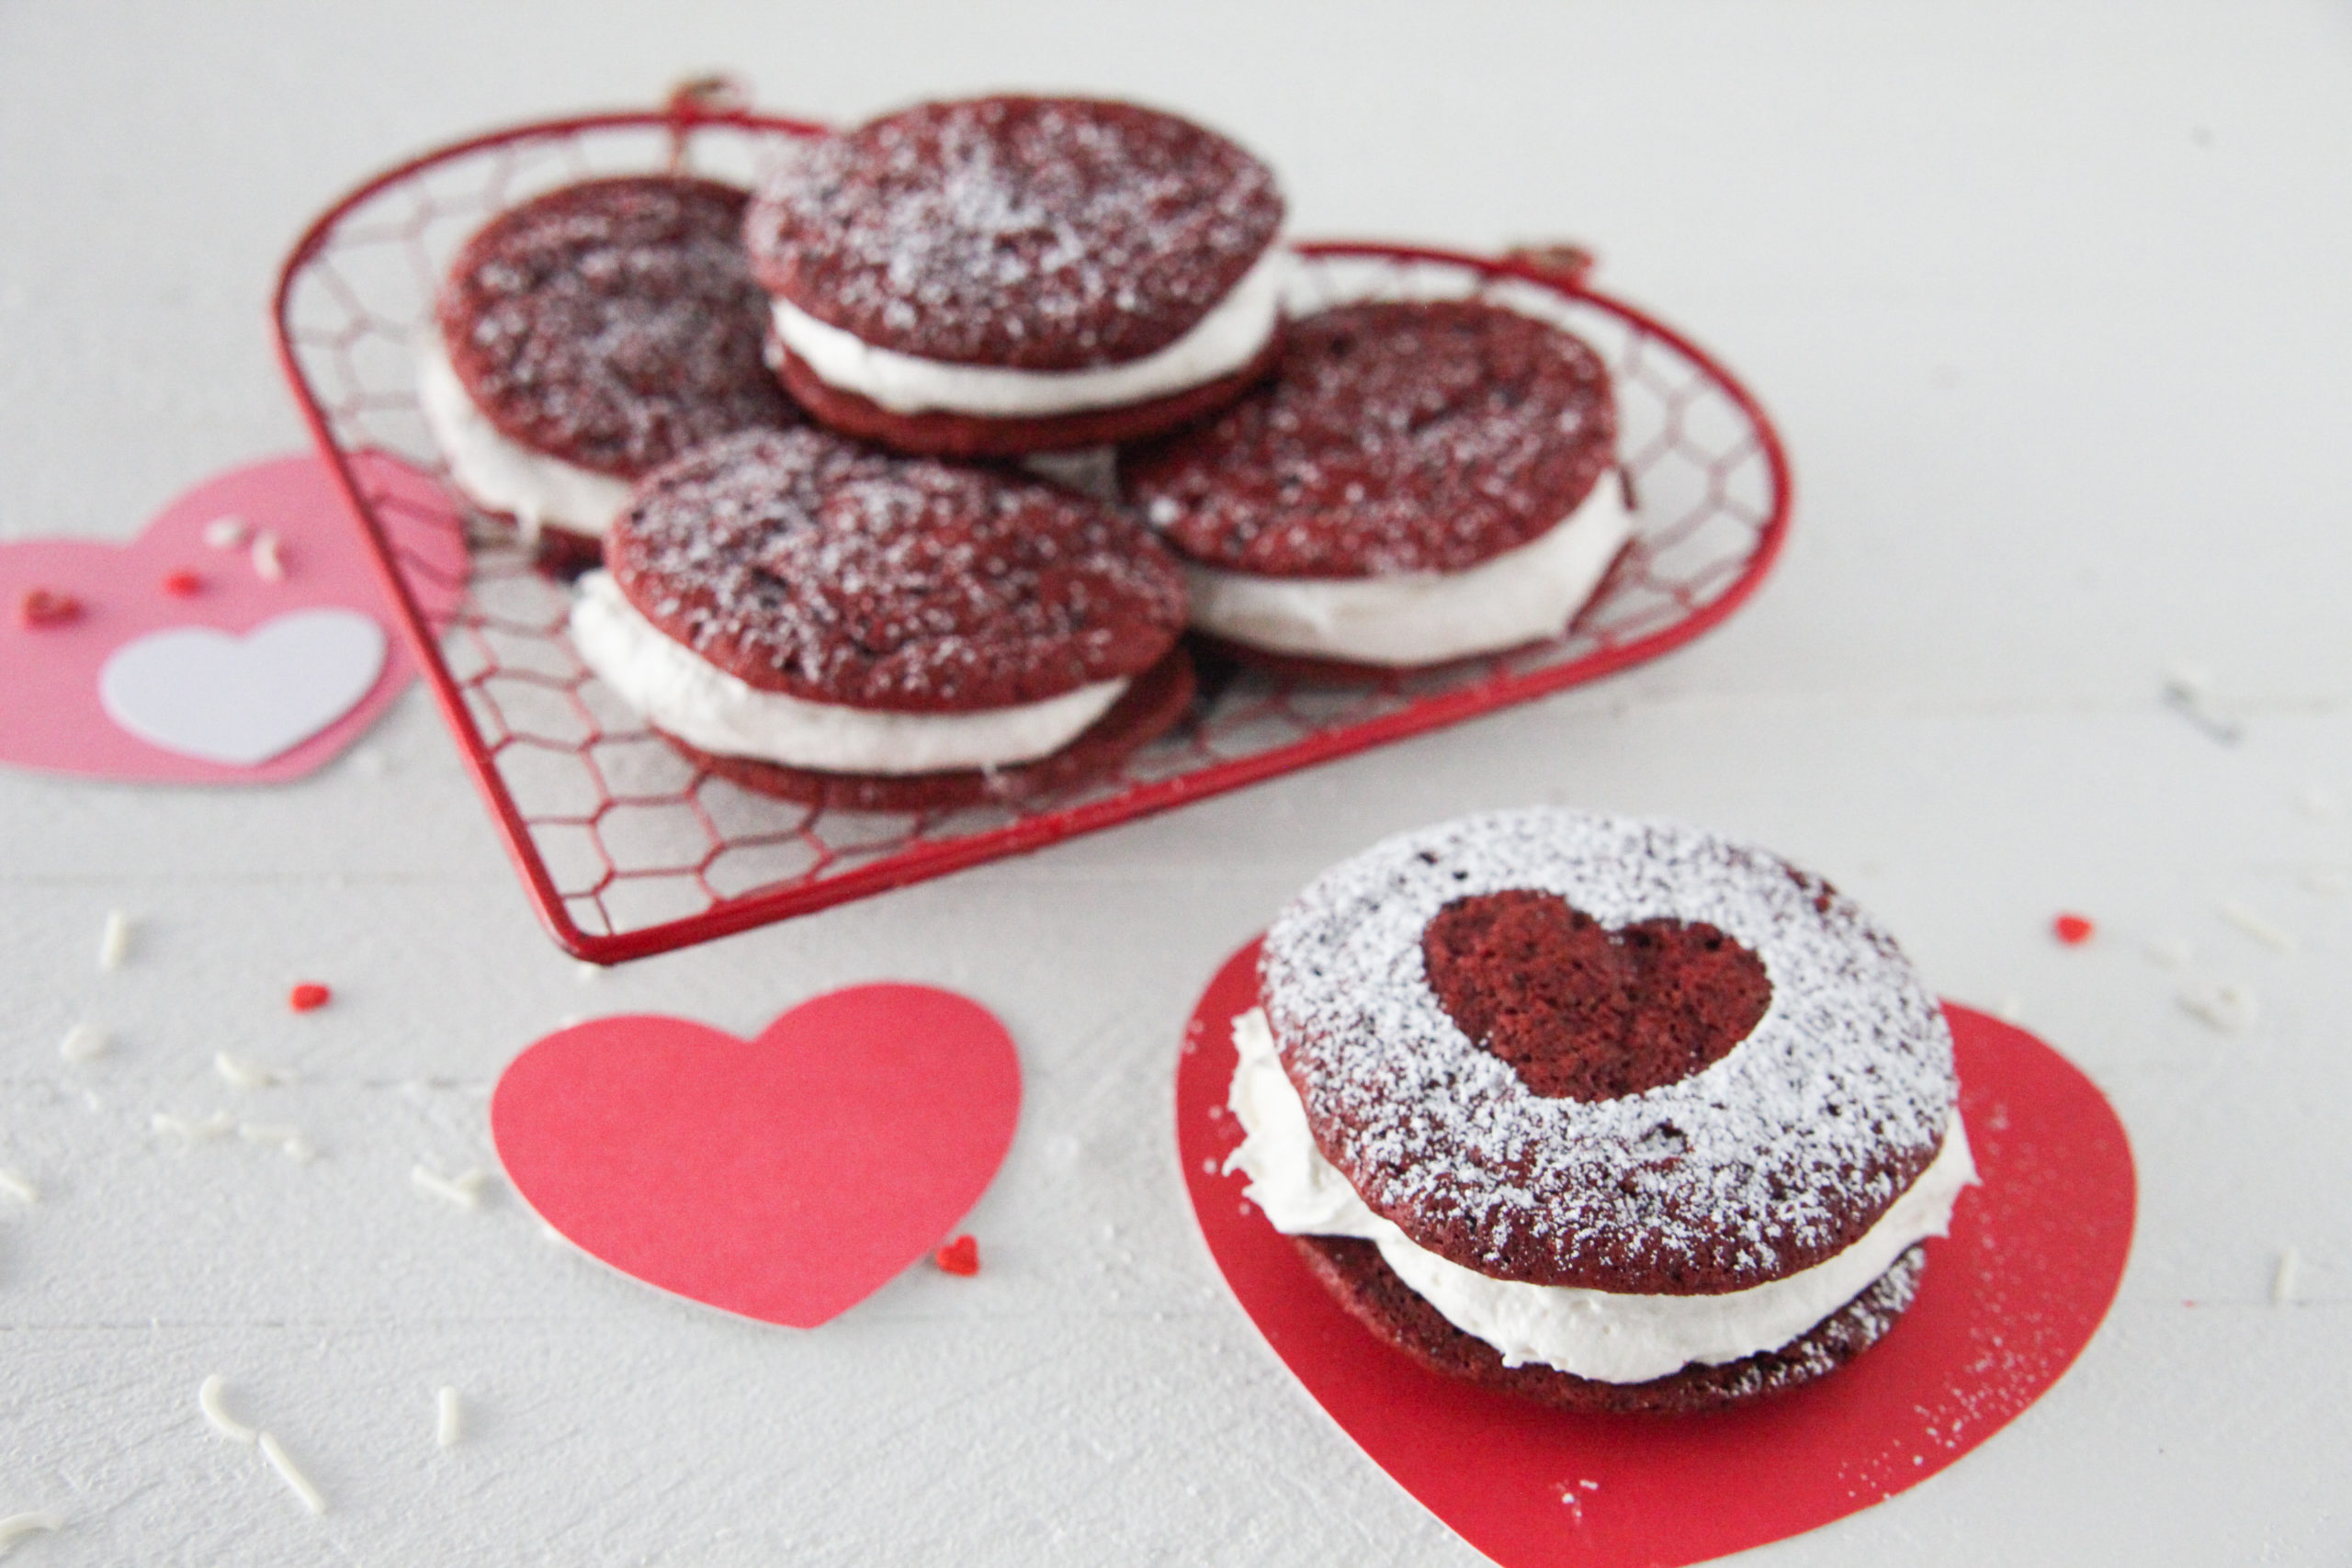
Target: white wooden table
(2050,307)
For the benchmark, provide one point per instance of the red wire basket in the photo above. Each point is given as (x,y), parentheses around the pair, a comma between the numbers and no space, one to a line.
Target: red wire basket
(629,850)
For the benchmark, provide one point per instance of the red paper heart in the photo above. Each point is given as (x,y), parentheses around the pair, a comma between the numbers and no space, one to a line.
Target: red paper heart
(2008,1299)
(171,578)
(785,1178)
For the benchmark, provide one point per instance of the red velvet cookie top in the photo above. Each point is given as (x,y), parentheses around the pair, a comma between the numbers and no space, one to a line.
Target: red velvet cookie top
(803,562)
(613,323)
(1024,233)
(1395,436)
(1773,1156)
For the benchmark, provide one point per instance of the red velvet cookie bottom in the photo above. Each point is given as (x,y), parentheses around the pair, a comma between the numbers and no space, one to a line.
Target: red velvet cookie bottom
(1354,1272)
(1153,702)
(976,435)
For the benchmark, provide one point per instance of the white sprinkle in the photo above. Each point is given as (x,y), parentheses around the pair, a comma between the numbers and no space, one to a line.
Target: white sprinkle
(269,557)
(244,1071)
(588,974)
(2011,1009)
(2282,1280)
(311,1498)
(2169,951)
(2255,926)
(446,1419)
(464,1190)
(289,1141)
(15,1526)
(17,1187)
(81,1043)
(208,1399)
(226,533)
(2319,803)
(2230,1009)
(114,941)
(220,1124)
(2332,883)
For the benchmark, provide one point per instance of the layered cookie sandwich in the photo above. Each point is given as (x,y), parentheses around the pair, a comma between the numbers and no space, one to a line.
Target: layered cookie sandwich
(818,619)
(1612,1114)
(1418,482)
(1004,276)
(589,336)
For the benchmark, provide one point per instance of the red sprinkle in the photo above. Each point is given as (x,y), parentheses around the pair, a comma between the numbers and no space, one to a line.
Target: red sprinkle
(181,584)
(961,1256)
(310,994)
(2073,930)
(41,607)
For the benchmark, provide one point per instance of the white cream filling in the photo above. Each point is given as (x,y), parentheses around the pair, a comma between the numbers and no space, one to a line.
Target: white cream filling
(703,706)
(537,491)
(1421,617)
(1591,1334)
(1222,342)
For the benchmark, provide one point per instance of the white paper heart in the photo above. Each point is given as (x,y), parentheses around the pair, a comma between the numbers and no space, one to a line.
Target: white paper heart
(243,700)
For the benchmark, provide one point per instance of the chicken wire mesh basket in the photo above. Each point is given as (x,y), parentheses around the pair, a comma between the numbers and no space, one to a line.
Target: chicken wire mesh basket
(628,849)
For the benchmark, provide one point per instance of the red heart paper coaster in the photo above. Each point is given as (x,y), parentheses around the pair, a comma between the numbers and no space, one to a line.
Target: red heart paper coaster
(2008,1301)
(240,639)
(785,1178)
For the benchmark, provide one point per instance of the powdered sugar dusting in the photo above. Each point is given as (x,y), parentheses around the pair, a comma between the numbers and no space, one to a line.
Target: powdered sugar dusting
(613,323)
(1768,1162)
(1396,436)
(1029,233)
(804,563)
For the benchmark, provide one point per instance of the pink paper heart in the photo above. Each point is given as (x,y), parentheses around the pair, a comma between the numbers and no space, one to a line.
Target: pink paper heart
(2008,1301)
(52,713)
(785,1178)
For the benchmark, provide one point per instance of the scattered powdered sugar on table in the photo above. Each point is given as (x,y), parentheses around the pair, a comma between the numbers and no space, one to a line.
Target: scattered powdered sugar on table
(1771,1160)
(1030,233)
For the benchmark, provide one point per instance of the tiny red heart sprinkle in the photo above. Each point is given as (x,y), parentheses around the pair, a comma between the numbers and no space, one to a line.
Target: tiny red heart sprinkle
(308,995)
(182,584)
(43,607)
(2073,930)
(960,1256)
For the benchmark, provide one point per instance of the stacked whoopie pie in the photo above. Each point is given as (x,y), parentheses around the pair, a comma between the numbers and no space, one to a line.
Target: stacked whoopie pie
(848,596)
(1612,1114)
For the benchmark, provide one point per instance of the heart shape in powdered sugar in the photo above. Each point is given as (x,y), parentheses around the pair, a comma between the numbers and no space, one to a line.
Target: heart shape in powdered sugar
(1584,1012)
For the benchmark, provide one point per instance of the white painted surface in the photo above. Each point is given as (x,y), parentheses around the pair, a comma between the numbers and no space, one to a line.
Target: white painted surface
(2050,304)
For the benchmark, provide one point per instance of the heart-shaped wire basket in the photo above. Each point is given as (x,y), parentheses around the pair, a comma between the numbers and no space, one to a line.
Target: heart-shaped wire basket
(626,849)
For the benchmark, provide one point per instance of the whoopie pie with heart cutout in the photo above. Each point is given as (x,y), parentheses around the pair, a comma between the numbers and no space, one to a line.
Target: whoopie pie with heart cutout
(1614,1113)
